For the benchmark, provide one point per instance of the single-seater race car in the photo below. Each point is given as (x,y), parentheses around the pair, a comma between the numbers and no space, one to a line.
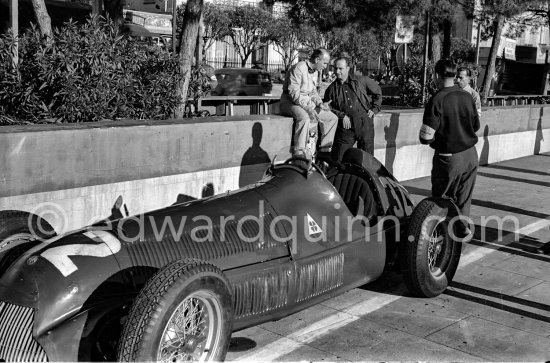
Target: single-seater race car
(173,284)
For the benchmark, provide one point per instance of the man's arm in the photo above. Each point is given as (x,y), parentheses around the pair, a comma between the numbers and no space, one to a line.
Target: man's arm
(376,94)
(477,100)
(315,95)
(330,96)
(477,116)
(430,123)
(294,87)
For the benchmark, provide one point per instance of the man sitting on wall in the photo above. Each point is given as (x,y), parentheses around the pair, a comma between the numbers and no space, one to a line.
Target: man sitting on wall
(301,101)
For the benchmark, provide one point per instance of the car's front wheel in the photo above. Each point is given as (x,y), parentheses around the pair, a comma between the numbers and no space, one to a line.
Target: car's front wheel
(429,256)
(183,313)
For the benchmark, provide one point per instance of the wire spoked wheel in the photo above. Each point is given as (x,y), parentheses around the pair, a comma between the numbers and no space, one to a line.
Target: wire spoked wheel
(439,249)
(184,313)
(429,256)
(193,330)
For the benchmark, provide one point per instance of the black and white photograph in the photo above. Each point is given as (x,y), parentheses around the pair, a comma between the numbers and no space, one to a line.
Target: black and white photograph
(274,180)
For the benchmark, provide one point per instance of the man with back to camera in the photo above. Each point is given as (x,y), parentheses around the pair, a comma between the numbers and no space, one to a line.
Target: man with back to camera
(355,100)
(300,100)
(449,126)
(463,77)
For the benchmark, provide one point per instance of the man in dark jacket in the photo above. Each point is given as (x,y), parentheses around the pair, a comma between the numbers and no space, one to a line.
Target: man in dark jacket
(449,125)
(355,100)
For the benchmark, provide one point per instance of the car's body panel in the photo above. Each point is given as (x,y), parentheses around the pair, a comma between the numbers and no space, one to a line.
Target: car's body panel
(284,243)
(205,229)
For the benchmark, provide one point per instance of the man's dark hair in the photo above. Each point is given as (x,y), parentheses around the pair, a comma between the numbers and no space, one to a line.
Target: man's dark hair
(464,69)
(318,53)
(340,57)
(445,68)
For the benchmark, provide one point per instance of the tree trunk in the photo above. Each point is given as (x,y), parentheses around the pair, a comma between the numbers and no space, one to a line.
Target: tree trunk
(113,9)
(436,47)
(188,42)
(96,7)
(42,17)
(200,51)
(490,69)
(446,39)
(243,62)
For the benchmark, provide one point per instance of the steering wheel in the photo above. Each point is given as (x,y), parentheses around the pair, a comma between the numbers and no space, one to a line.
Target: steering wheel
(308,162)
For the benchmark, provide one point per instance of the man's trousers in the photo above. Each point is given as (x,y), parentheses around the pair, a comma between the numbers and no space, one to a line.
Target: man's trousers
(327,125)
(346,138)
(454,176)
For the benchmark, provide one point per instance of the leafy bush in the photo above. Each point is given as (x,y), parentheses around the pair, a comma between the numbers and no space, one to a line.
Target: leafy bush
(88,73)
(410,82)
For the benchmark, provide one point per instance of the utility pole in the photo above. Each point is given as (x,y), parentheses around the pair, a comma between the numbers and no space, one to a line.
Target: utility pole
(14,21)
(426,48)
(174,24)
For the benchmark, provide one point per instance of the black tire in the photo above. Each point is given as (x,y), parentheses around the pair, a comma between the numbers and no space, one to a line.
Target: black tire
(175,286)
(19,231)
(429,258)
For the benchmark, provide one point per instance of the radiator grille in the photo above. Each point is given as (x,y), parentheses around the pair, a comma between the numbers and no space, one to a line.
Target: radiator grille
(320,276)
(16,341)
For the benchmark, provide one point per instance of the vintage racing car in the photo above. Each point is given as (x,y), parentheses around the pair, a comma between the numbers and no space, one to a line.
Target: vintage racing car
(173,284)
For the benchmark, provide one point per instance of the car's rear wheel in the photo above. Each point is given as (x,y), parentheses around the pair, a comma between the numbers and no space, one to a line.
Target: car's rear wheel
(184,313)
(19,231)
(430,256)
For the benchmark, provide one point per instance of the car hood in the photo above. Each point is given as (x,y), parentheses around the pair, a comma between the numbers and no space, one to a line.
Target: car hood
(57,276)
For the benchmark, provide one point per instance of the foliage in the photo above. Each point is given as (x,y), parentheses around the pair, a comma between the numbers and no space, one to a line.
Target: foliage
(518,15)
(313,38)
(248,29)
(323,14)
(216,24)
(462,51)
(359,43)
(90,73)
(410,79)
(410,82)
(287,38)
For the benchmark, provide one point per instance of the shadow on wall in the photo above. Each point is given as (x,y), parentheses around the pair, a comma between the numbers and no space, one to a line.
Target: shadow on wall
(255,155)
(119,209)
(207,191)
(390,134)
(484,156)
(539,137)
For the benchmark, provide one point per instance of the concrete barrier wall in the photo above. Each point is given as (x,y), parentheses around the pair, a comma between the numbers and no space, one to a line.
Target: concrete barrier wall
(72,174)
(505,133)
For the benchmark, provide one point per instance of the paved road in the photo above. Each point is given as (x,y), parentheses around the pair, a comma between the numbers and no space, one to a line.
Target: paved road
(497,308)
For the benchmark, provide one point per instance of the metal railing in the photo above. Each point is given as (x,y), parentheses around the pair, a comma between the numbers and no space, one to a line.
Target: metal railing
(264,105)
(514,100)
(259,105)
(235,63)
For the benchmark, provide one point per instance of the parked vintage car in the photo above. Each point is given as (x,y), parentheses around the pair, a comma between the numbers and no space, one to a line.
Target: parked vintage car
(174,283)
(242,82)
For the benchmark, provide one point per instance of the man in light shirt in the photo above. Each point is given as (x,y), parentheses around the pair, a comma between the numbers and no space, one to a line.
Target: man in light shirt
(301,101)
(463,76)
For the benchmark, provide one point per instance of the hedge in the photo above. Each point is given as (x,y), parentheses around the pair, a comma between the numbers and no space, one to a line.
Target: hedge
(89,72)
